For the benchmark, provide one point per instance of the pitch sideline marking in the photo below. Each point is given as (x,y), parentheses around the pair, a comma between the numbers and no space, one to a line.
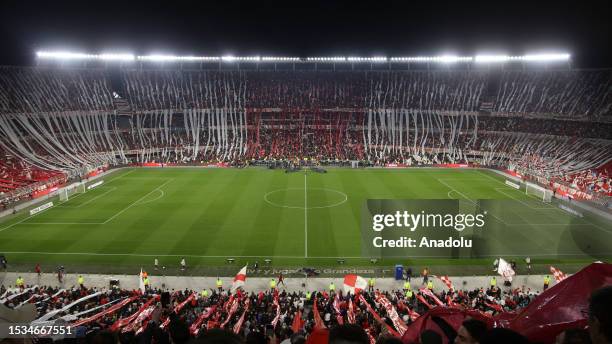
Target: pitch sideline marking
(64,223)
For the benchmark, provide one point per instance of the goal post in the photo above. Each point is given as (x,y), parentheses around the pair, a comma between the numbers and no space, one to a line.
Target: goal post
(66,193)
(540,192)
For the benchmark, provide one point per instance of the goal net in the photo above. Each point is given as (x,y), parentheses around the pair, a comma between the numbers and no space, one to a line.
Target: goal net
(535,190)
(67,192)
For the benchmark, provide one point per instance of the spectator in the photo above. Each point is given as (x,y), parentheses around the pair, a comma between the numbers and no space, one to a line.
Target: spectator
(574,336)
(348,334)
(471,332)
(600,316)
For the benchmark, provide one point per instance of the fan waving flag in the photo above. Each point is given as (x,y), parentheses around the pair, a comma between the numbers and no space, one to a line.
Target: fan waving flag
(447,282)
(558,274)
(141,284)
(354,283)
(505,269)
(240,279)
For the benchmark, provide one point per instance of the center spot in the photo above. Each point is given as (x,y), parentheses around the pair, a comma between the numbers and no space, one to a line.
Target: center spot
(315,198)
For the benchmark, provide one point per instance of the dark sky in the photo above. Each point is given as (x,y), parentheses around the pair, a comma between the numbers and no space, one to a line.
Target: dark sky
(308,28)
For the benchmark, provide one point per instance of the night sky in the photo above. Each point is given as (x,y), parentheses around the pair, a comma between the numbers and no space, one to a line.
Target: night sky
(308,28)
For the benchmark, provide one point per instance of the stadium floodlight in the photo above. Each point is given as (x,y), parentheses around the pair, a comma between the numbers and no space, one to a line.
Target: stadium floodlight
(438,59)
(546,57)
(117,57)
(445,59)
(451,59)
(279,59)
(491,58)
(230,58)
(326,59)
(532,57)
(173,58)
(376,59)
(65,55)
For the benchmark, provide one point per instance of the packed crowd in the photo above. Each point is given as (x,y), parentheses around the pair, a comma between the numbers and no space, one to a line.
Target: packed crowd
(65,120)
(373,139)
(20,180)
(569,94)
(334,307)
(596,181)
(277,316)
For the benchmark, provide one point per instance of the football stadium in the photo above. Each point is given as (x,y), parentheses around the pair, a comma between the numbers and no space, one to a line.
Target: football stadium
(296,198)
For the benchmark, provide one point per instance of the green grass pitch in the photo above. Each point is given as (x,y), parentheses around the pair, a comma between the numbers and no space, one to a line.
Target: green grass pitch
(295,219)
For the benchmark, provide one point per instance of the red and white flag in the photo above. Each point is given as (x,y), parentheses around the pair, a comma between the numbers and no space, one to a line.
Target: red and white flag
(178,308)
(505,269)
(558,274)
(336,305)
(447,282)
(392,313)
(277,317)
(413,315)
(238,324)
(350,314)
(240,279)
(141,284)
(433,296)
(354,283)
(377,317)
(194,329)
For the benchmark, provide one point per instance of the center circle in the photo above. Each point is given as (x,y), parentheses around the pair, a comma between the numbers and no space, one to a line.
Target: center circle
(313,198)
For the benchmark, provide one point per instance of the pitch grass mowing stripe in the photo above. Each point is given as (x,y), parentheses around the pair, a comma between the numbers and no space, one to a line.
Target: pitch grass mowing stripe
(211,214)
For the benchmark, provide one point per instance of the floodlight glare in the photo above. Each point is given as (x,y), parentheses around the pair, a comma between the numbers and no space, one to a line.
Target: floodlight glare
(546,57)
(491,58)
(64,55)
(445,59)
(533,57)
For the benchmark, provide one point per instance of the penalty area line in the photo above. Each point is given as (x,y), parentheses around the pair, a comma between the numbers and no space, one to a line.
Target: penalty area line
(136,202)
